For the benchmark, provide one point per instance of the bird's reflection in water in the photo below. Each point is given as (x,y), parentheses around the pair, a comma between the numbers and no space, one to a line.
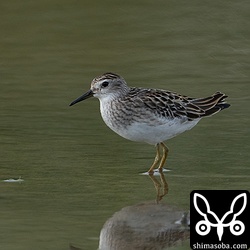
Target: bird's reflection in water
(160,184)
(145,226)
(148,225)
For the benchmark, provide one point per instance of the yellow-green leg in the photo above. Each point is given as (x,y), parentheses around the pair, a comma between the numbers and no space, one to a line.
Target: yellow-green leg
(164,156)
(161,187)
(157,159)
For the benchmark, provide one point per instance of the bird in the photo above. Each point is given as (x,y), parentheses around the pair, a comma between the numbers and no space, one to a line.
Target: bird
(149,115)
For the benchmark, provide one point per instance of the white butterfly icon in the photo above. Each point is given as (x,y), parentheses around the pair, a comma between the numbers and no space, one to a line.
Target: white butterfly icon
(236,227)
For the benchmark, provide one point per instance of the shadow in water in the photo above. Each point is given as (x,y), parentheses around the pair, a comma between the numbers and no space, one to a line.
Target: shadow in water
(161,185)
(146,225)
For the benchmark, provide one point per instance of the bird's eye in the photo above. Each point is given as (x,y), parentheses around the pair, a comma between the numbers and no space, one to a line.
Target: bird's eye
(105,84)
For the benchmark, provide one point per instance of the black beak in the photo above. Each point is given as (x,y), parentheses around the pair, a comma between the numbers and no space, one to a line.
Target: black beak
(83,97)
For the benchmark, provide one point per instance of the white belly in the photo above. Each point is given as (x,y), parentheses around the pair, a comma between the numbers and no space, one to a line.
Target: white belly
(152,131)
(154,135)
(142,132)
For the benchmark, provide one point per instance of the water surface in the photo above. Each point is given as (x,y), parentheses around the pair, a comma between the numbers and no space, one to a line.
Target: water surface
(77,173)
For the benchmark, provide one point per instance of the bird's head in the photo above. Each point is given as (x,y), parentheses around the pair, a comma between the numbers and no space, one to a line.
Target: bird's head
(108,85)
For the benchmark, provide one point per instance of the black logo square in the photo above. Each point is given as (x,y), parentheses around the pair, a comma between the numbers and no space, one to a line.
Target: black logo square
(219,219)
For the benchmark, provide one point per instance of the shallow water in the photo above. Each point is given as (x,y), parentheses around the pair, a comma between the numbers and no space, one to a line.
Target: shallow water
(77,173)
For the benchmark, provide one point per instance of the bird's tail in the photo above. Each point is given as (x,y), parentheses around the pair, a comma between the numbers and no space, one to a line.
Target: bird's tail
(212,104)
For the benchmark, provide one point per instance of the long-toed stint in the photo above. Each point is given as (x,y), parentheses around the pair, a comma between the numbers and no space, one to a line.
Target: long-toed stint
(149,115)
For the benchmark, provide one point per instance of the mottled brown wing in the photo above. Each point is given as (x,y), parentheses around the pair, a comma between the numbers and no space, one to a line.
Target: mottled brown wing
(168,104)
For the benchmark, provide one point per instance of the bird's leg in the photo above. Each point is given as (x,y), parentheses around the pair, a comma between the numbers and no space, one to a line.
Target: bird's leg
(161,186)
(164,156)
(157,159)
(157,185)
(164,185)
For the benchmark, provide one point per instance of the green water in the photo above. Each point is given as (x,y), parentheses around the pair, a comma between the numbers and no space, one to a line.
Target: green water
(77,173)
